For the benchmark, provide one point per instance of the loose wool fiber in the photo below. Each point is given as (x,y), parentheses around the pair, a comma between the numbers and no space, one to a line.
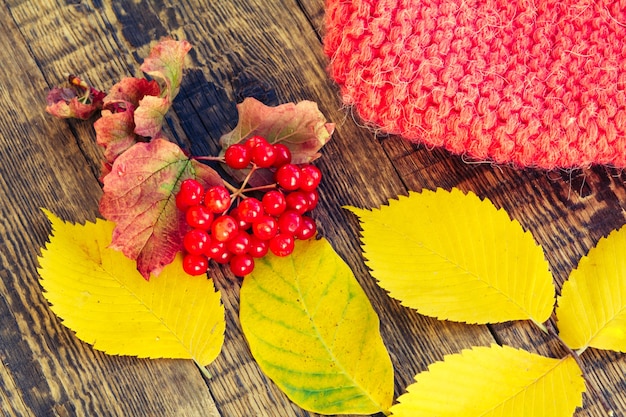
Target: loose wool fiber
(533,83)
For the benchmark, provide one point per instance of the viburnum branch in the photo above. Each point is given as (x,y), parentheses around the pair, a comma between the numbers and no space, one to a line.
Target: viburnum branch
(245,180)
(238,192)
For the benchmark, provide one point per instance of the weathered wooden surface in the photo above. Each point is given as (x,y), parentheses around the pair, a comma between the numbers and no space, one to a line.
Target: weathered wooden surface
(270,50)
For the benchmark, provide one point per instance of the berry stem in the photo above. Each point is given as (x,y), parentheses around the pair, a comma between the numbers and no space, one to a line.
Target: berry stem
(262,187)
(239,192)
(230,187)
(245,180)
(209,158)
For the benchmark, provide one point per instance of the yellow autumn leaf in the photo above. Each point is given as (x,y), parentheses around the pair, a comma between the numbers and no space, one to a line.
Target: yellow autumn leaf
(313,331)
(453,256)
(99,294)
(591,310)
(494,382)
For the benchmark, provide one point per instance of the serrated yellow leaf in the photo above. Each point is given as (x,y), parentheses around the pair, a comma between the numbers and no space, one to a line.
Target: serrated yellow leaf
(494,382)
(100,295)
(312,330)
(591,310)
(453,256)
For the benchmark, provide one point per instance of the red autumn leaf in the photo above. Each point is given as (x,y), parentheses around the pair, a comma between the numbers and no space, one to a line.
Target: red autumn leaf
(139,196)
(130,90)
(165,63)
(302,127)
(115,132)
(149,116)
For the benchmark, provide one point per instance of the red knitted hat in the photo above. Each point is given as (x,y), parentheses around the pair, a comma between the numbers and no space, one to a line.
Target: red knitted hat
(537,83)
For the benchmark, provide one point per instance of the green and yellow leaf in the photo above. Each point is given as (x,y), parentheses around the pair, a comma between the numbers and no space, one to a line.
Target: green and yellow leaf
(493,382)
(591,310)
(99,294)
(453,256)
(313,331)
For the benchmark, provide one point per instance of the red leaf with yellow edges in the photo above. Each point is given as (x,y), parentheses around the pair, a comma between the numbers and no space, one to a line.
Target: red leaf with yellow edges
(139,196)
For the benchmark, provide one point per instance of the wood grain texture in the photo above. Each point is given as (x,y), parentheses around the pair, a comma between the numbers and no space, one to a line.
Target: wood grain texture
(270,50)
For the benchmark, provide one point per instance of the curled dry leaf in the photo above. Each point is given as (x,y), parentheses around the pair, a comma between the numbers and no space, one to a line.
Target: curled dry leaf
(76,100)
(135,108)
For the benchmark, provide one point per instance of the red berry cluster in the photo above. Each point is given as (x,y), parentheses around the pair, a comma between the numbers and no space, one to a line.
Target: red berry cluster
(234,228)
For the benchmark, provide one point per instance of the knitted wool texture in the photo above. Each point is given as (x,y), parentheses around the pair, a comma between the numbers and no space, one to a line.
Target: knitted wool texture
(538,83)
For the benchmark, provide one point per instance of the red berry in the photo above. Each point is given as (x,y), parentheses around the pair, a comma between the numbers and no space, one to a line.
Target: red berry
(297,201)
(250,209)
(282,244)
(313,198)
(289,222)
(274,203)
(256,140)
(288,177)
(258,248)
(217,199)
(241,224)
(195,264)
(218,252)
(310,178)
(196,241)
(265,228)
(283,155)
(263,155)
(199,217)
(214,248)
(241,265)
(189,194)
(237,156)
(223,257)
(239,244)
(307,229)
(224,228)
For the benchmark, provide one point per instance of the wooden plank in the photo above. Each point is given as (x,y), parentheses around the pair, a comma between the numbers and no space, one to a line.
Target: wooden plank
(272,51)
(45,369)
